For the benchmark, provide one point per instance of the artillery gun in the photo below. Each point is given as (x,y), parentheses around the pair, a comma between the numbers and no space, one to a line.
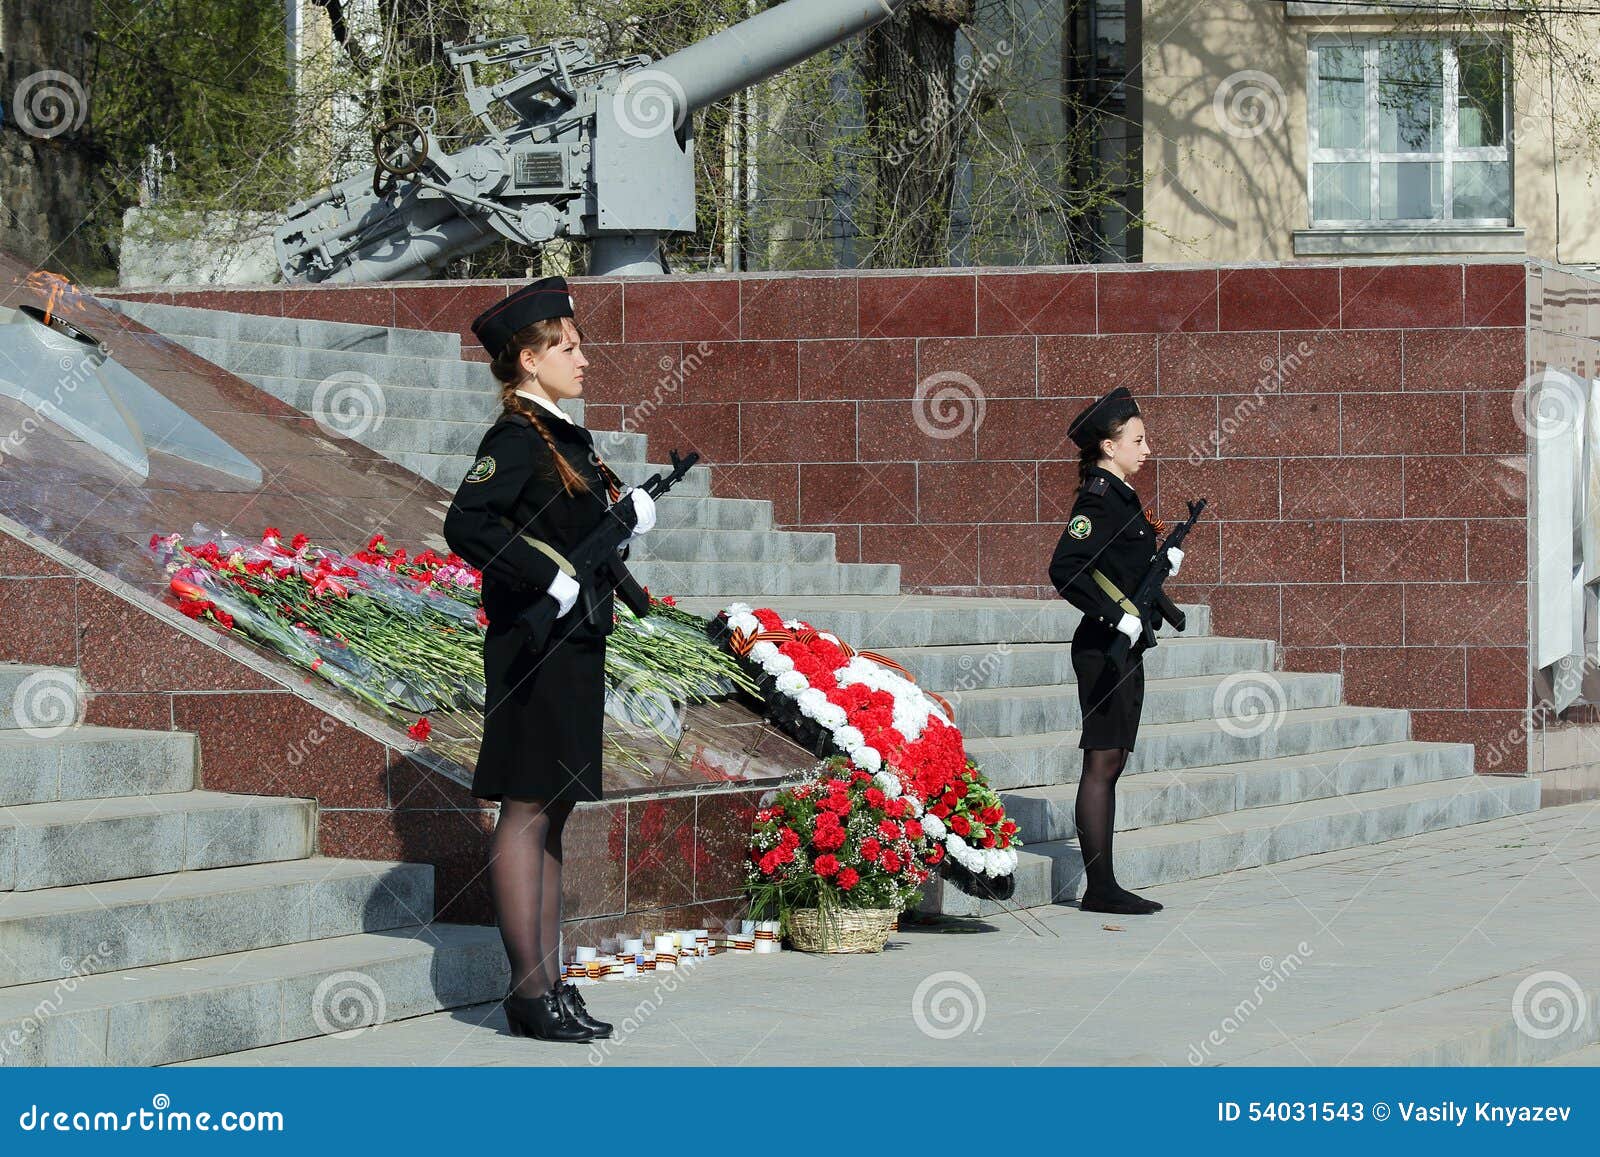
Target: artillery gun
(572,148)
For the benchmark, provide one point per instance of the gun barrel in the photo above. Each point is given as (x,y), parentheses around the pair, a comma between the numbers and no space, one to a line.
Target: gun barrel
(766,44)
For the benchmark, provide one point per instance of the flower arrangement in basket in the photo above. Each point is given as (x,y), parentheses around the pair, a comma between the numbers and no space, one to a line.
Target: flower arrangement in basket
(834,699)
(837,859)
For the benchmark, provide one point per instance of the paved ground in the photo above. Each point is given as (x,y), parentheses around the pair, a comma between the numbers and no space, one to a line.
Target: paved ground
(1478,945)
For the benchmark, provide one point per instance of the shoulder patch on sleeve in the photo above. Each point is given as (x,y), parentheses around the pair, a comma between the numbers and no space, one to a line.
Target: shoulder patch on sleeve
(1098,485)
(481,470)
(1080,526)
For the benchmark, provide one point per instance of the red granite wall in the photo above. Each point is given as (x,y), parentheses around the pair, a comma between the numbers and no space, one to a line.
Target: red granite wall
(644,862)
(1353,426)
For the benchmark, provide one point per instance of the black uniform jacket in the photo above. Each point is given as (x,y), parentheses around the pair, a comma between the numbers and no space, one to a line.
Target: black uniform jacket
(512,490)
(1108,531)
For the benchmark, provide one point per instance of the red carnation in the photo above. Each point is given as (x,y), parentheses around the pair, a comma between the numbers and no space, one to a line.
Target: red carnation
(891,862)
(888,829)
(875,797)
(848,878)
(827,865)
(420,730)
(913,829)
(935,854)
(789,838)
(869,848)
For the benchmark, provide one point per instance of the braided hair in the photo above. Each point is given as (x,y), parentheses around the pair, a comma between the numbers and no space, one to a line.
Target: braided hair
(507,370)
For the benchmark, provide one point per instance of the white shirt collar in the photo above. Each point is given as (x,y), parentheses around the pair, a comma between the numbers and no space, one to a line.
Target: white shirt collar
(546,403)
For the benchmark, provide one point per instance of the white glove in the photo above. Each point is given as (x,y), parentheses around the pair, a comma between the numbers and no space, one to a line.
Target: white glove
(646,508)
(1176,556)
(1132,626)
(564,589)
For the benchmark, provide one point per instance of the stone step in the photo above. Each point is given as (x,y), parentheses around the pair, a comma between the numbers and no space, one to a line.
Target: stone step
(1053,757)
(47,700)
(728,580)
(449,377)
(1165,797)
(371,404)
(176,320)
(103,927)
(51,845)
(707,513)
(697,544)
(880,623)
(1248,839)
(1245,697)
(221,1004)
(94,763)
(1003,664)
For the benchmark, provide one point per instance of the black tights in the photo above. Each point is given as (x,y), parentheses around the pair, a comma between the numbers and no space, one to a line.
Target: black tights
(1095,817)
(525,877)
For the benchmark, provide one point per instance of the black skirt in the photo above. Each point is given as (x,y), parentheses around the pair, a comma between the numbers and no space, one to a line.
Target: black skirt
(1111,700)
(544,721)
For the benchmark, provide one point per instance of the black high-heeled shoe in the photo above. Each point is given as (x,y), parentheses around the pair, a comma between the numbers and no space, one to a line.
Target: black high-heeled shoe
(1120,902)
(544,1017)
(572,1001)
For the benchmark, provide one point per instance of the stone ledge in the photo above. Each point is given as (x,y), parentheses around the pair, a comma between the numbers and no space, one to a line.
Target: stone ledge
(1383,242)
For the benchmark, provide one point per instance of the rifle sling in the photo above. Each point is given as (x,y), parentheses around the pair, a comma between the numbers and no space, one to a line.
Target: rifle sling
(1111,589)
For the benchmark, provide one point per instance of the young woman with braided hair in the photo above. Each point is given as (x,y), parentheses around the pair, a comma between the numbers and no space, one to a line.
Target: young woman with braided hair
(1103,554)
(536,490)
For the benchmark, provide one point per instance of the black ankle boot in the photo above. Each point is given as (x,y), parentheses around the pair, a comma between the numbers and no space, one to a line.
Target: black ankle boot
(544,1018)
(572,1002)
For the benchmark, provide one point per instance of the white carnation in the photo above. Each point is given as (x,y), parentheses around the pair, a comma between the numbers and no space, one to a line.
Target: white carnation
(792,683)
(870,759)
(933,825)
(777,664)
(830,715)
(763,651)
(850,738)
(812,702)
(888,783)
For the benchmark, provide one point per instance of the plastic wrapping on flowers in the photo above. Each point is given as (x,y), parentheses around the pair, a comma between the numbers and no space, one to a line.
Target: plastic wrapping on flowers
(870,710)
(404,633)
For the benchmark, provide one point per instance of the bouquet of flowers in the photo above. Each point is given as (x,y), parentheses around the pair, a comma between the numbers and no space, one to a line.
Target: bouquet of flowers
(869,709)
(838,842)
(404,633)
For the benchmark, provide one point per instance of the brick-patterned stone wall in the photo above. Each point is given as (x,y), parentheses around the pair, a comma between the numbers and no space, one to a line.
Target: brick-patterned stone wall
(1353,426)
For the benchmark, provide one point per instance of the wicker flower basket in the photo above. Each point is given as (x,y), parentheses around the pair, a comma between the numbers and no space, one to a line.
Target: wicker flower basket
(847,930)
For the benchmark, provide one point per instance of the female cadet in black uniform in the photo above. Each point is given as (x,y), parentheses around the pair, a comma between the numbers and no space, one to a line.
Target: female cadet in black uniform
(1103,554)
(536,490)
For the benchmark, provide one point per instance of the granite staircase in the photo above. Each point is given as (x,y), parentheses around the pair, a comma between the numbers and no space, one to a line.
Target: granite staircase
(1236,765)
(145,921)
(1212,786)
(412,399)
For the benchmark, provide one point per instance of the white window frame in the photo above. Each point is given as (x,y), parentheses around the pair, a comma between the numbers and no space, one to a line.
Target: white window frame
(1448,156)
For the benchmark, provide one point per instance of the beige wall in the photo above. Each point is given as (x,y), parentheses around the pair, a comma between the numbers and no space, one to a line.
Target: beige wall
(1218,195)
